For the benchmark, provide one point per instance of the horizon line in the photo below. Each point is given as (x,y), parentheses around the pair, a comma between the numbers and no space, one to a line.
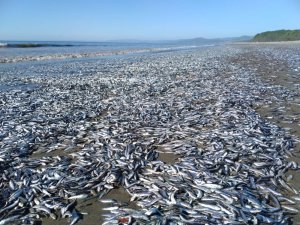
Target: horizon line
(128,40)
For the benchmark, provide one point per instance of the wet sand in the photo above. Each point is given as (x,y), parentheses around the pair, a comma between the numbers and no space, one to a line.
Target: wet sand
(91,209)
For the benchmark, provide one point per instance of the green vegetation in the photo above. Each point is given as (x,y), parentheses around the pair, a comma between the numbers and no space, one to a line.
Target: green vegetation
(278,35)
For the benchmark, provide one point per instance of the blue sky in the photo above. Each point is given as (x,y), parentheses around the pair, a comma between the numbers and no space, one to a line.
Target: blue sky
(97,20)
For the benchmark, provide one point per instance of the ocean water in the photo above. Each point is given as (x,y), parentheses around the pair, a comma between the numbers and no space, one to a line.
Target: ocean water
(41,48)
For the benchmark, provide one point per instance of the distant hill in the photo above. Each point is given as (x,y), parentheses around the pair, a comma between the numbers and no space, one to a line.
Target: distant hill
(200,40)
(278,35)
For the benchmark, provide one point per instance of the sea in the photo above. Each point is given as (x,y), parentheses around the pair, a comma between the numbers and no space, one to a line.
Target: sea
(35,49)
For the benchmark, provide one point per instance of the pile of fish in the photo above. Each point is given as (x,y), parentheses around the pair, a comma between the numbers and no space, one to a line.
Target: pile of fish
(61,53)
(75,130)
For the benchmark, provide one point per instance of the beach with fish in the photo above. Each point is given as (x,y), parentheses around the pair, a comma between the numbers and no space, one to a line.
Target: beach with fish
(151,135)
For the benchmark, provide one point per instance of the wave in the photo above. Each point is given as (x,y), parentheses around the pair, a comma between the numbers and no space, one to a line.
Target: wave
(32,45)
(95,54)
